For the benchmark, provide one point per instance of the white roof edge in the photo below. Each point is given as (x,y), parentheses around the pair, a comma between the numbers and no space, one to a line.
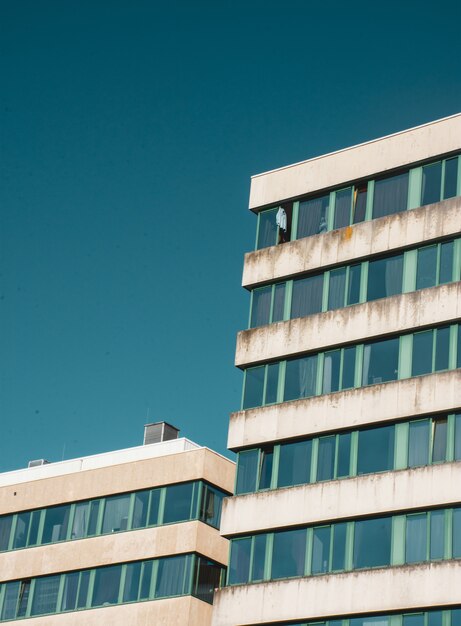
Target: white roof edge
(358,145)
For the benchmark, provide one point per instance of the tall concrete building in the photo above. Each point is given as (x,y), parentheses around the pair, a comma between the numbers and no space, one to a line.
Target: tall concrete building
(348,495)
(126,538)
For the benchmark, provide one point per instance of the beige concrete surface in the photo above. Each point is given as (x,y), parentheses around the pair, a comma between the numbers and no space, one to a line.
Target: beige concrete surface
(334,595)
(122,547)
(196,464)
(183,611)
(373,494)
(422,395)
(354,324)
(360,241)
(356,162)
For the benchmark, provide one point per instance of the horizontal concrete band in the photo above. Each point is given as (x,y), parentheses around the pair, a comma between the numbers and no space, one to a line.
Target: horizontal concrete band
(192,465)
(361,161)
(354,324)
(319,597)
(360,241)
(134,545)
(184,611)
(374,494)
(385,402)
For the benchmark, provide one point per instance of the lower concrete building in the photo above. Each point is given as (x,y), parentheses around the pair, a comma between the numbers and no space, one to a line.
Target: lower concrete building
(128,537)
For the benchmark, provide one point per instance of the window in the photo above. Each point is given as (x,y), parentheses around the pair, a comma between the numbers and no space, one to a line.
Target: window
(288,554)
(343,200)
(339,546)
(326,458)
(259,554)
(260,385)
(372,542)
(312,217)
(45,595)
(261,306)
(239,564)
(431,184)
(267,229)
(266,458)
(247,465)
(385,277)
(375,450)
(295,463)
(390,195)
(300,378)
(141,504)
(426,273)
(422,353)
(207,577)
(179,503)
(437,542)
(5,529)
(307,296)
(380,361)
(132,579)
(359,203)
(172,576)
(116,514)
(456,533)
(210,507)
(458,437)
(439,439)
(106,585)
(321,549)
(416,538)
(418,443)
(451,177)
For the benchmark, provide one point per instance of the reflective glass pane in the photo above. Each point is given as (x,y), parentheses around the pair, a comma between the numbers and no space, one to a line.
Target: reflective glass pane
(132,578)
(372,542)
(34,525)
(208,576)
(344,455)
(69,596)
(272,383)
(458,437)
(381,620)
(307,296)
(254,387)
(434,618)
(265,467)
(456,533)
(418,443)
(416,538)
(247,466)
(56,520)
(326,458)
(413,620)
(267,229)
(146,578)
(421,362)
(343,208)
(178,501)
(288,554)
(348,368)
(451,178)
(22,529)
(10,600)
(385,277)
(442,347)
(456,617)
(279,302)
(360,204)
(106,585)
(5,530)
(94,512)
(24,590)
(432,179)
(337,288)
(116,514)
(141,504)
(312,216)
(300,378)
(439,439)
(82,600)
(426,270)
(331,366)
(390,195)
(45,595)
(321,550)
(353,290)
(154,507)
(259,554)
(80,523)
(446,262)
(339,546)
(380,361)
(261,306)
(239,565)
(375,450)
(295,463)
(211,505)
(437,534)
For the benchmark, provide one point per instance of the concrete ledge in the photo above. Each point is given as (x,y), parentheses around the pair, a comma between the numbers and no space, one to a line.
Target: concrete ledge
(360,241)
(391,401)
(133,545)
(330,596)
(355,162)
(397,314)
(184,611)
(373,494)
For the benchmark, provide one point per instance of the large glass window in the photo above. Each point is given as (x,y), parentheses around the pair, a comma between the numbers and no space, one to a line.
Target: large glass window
(239,564)
(141,505)
(261,306)
(422,353)
(132,579)
(300,378)
(343,200)
(178,503)
(385,277)
(210,507)
(431,184)
(106,585)
(246,471)
(288,554)
(45,595)
(326,458)
(307,296)
(56,521)
(339,546)
(266,458)
(375,450)
(171,576)
(267,229)
(451,178)
(437,540)
(418,443)
(337,288)
(390,195)
(321,549)
(254,387)
(380,361)
(416,538)
(116,514)
(426,271)
(295,463)
(312,217)
(372,542)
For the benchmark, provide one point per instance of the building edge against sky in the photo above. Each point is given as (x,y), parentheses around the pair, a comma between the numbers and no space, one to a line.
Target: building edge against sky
(347,505)
(126,537)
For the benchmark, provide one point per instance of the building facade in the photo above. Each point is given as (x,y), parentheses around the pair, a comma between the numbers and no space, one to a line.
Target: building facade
(348,491)
(124,538)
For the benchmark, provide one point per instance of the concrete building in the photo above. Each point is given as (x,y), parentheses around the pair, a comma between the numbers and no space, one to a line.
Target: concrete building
(124,538)
(348,492)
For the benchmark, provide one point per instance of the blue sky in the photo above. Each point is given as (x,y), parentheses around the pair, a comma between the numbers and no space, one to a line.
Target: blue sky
(128,134)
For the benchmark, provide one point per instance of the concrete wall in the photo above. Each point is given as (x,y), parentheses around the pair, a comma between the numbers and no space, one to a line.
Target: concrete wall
(184,611)
(397,314)
(362,161)
(123,477)
(388,492)
(122,547)
(379,590)
(421,395)
(360,241)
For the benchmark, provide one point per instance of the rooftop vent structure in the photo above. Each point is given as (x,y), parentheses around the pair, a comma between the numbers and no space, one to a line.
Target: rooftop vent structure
(159,431)
(37,462)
